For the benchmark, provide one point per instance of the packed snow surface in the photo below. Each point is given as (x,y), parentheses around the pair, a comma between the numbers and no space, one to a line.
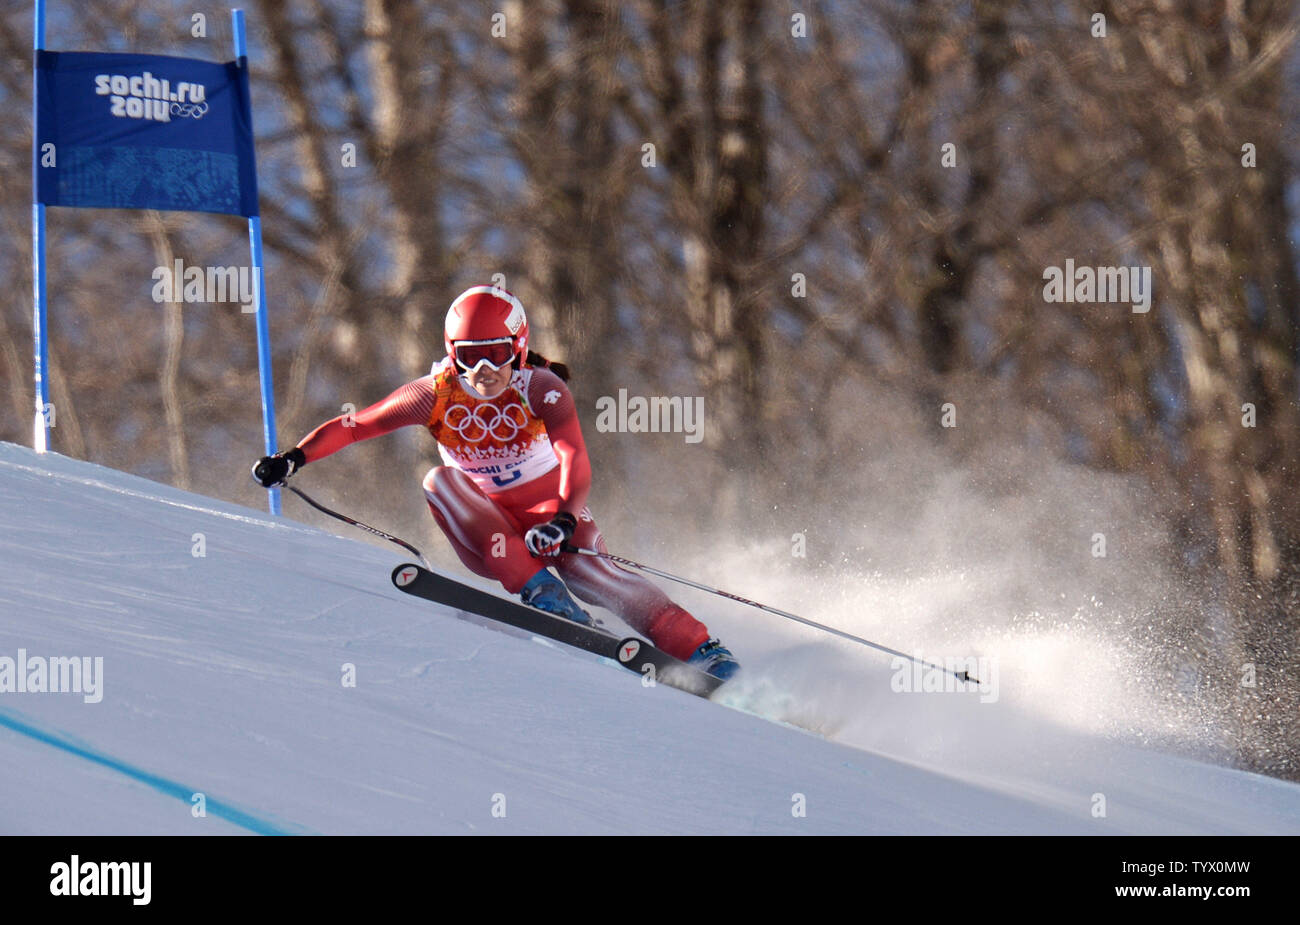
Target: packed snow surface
(261,676)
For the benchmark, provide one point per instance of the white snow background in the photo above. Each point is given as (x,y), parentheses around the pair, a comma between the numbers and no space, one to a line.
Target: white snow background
(222,676)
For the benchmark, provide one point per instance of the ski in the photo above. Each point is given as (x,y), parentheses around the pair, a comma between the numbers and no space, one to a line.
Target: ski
(631,652)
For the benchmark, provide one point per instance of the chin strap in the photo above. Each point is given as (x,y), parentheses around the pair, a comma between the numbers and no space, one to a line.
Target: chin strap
(465,384)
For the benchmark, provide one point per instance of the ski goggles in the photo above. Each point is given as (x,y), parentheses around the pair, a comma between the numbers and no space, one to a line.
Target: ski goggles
(471,355)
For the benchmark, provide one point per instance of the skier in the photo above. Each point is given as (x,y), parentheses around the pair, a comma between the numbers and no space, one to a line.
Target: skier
(514,486)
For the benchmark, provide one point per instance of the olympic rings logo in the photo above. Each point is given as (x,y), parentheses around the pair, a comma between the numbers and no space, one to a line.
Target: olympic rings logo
(502,424)
(193,110)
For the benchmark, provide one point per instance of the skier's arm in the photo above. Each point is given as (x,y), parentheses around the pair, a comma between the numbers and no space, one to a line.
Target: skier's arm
(408,405)
(554,404)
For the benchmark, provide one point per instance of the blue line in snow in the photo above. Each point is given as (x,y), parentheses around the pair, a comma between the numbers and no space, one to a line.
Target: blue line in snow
(161,784)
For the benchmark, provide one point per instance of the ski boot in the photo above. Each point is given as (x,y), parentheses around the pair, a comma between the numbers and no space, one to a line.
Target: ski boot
(546,592)
(716,659)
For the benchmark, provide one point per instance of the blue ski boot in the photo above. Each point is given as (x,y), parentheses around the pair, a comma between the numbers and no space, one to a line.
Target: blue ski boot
(546,592)
(716,659)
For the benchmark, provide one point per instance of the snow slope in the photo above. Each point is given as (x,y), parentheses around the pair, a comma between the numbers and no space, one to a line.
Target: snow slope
(222,675)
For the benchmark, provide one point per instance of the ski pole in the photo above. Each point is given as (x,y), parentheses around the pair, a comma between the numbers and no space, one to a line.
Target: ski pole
(356,523)
(960,675)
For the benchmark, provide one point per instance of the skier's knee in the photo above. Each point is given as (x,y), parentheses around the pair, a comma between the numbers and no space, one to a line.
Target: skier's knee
(441,480)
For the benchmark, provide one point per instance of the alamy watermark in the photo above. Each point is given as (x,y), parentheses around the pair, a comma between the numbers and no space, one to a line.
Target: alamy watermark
(54,675)
(1099,284)
(655,415)
(76,877)
(179,283)
(952,675)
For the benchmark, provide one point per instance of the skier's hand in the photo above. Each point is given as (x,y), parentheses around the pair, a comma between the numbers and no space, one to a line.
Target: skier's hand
(270,471)
(546,539)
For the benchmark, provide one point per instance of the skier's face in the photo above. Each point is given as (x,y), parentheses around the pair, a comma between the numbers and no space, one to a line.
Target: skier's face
(489,382)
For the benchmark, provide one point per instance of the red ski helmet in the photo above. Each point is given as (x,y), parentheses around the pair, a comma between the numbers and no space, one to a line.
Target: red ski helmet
(484,314)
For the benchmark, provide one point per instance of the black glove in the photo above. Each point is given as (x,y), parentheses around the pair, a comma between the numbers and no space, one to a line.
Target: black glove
(270,471)
(546,539)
